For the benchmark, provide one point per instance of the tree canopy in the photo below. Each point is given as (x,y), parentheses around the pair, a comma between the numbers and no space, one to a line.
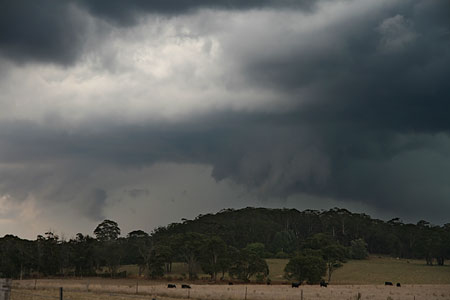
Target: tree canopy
(107,231)
(233,241)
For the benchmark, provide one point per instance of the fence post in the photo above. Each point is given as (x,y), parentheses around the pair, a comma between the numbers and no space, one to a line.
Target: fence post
(137,286)
(5,289)
(301,294)
(60,293)
(245,298)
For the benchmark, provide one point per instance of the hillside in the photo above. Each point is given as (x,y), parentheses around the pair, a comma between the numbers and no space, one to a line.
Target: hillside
(226,241)
(284,230)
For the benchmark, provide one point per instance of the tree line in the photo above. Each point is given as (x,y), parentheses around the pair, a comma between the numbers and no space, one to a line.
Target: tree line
(234,242)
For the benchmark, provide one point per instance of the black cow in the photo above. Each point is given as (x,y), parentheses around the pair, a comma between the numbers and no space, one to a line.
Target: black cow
(323,283)
(296,284)
(230,283)
(388,283)
(171,286)
(398,284)
(185,286)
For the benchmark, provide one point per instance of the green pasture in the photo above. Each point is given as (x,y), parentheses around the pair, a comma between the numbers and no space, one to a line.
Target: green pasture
(375,270)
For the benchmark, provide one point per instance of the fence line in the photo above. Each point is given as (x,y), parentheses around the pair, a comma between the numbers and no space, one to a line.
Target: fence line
(144,296)
(62,297)
(35,295)
(237,292)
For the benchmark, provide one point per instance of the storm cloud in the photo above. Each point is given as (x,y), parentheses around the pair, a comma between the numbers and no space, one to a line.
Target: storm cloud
(282,100)
(58,31)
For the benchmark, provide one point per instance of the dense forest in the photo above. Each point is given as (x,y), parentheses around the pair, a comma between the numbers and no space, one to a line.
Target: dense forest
(231,241)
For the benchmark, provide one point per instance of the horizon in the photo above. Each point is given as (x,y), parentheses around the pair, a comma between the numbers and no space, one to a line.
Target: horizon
(123,234)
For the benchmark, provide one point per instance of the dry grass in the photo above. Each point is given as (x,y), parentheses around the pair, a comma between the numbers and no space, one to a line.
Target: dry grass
(364,277)
(76,295)
(125,289)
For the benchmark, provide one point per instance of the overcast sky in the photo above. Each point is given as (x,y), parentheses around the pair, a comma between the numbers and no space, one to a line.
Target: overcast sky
(146,112)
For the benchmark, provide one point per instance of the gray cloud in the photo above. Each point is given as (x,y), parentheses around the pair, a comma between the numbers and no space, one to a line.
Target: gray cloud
(45,31)
(93,204)
(57,32)
(346,100)
(136,193)
(388,70)
(392,172)
(127,13)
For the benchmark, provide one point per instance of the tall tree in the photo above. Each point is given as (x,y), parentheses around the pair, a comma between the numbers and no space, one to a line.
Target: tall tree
(189,247)
(213,251)
(306,266)
(334,255)
(83,254)
(138,245)
(248,263)
(107,231)
(358,249)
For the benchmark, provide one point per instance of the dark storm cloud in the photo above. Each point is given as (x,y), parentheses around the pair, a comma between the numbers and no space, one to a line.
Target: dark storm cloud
(126,13)
(48,31)
(375,84)
(56,31)
(369,123)
(270,156)
(389,70)
(94,202)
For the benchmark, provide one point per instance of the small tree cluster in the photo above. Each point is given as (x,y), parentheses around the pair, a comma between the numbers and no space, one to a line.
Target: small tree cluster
(321,255)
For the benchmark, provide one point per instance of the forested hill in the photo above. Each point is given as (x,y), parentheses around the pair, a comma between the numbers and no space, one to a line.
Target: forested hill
(284,231)
(228,241)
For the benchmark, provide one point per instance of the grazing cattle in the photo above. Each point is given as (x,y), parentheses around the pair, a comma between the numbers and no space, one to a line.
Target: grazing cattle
(323,283)
(388,283)
(171,286)
(185,286)
(398,284)
(296,284)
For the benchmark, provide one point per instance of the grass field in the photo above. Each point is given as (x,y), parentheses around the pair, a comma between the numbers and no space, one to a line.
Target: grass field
(363,277)
(375,270)
(378,270)
(108,289)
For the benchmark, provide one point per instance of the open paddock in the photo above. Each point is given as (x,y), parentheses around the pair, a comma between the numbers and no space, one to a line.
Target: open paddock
(104,289)
(374,270)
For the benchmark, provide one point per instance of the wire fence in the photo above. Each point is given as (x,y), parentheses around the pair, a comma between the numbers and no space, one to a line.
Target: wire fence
(61,294)
(30,295)
(72,295)
(82,290)
(244,293)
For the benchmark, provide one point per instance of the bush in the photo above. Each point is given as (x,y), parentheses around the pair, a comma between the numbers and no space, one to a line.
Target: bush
(306,267)
(247,264)
(281,254)
(358,249)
